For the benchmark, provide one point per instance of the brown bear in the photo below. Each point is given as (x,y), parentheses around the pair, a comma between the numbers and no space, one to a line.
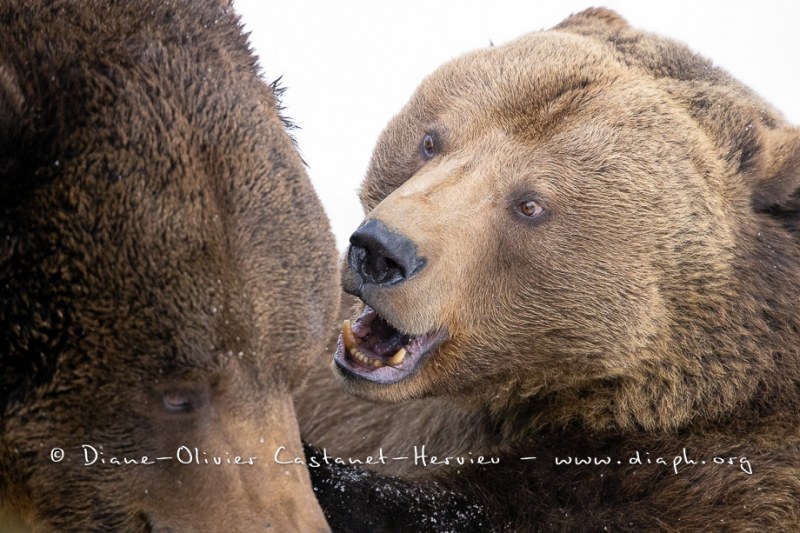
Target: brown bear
(580,275)
(166,274)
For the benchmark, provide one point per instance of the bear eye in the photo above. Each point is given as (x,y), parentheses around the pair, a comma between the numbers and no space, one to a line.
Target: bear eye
(428,147)
(182,398)
(182,401)
(177,402)
(530,209)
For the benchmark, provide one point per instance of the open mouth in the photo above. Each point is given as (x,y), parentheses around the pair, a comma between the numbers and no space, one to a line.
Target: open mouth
(373,349)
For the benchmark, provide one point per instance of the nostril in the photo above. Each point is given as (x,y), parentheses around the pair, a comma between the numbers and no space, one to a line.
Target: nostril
(383,269)
(373,265)
(357,254)
(392,266)
(381,256)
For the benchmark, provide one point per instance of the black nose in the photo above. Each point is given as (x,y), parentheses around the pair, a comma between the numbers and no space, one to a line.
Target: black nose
(381,256)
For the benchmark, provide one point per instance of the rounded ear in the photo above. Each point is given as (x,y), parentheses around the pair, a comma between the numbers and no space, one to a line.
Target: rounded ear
(778,190)
(595,18)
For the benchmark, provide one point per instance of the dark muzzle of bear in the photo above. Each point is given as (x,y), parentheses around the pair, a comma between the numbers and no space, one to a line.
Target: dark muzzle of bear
(380,256)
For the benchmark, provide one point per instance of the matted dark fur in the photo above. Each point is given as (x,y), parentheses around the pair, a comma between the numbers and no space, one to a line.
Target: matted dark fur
(166,272)
(653,306)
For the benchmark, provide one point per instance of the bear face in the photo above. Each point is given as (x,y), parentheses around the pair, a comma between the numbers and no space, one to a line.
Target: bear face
(166,273)
(589,220)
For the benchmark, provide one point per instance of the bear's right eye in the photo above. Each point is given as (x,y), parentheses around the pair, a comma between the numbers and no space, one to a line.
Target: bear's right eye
(180,400)
(429,147)
(176,402)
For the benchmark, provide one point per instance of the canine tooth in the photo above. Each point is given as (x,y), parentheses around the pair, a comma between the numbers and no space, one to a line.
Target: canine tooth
(347,335)
(398,357)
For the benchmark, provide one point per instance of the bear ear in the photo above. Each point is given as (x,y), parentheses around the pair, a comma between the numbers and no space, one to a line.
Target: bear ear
(778,190)
(596,18)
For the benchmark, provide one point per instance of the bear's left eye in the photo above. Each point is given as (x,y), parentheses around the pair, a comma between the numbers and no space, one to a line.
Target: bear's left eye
(429,147)
(530,209)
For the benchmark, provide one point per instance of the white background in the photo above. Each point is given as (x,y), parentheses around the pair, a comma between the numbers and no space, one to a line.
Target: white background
(350,66)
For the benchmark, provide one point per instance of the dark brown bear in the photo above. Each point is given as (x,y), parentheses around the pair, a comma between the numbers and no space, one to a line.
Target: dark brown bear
(582,244)
(166,272)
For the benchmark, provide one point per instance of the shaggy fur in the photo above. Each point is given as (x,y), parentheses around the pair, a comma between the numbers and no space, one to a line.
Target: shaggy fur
(653,307)
(166,271)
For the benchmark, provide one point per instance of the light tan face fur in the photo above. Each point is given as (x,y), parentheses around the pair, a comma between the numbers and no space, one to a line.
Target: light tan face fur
(639,219)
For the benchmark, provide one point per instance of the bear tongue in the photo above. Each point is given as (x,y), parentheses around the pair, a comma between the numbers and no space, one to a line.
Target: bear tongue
(375,345)
(361,326)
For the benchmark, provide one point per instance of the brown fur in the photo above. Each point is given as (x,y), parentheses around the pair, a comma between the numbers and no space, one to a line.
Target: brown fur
(159,239)
(655,307)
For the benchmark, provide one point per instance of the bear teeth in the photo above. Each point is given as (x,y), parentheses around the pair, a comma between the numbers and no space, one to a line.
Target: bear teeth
(397,358)
(365,359)
(349,338)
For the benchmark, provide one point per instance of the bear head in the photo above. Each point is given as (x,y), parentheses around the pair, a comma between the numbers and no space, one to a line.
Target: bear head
(166,273)
(588,224)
